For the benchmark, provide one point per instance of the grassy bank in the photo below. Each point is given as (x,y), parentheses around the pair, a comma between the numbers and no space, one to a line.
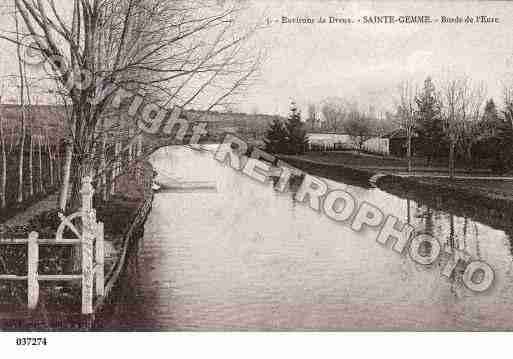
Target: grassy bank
(365,160)
(335,172)
(493,188)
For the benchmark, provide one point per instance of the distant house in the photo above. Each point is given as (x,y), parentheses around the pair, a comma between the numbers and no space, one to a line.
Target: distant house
(327,141)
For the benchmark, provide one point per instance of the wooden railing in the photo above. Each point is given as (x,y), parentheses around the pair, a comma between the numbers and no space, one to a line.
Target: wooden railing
(89,235)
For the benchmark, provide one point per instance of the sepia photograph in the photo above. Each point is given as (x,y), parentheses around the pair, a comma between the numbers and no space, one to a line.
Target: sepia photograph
(255,166)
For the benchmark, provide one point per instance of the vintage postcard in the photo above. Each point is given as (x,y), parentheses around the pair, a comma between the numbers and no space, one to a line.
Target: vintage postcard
(197,165)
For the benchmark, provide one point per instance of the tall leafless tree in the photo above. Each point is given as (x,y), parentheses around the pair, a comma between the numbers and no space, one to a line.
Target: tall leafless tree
(183,53)
(406,115)
(461,105)
(21,156)
(334,111)
(3,183)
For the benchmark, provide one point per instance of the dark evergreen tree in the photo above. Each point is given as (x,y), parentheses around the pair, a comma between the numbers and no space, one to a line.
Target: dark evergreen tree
(490,116)
(502,131)
(429,123)
(276,137)
(297,138)
(495,142)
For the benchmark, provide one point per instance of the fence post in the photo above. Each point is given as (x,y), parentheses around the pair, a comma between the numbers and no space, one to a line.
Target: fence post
(33,260)
(100,255)
(87,192)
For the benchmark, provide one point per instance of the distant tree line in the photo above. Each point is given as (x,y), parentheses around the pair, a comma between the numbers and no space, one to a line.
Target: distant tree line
(456,122)
(451,120)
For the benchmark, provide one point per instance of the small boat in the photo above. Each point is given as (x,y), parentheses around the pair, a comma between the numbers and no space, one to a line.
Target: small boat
(155,186)
(189,186)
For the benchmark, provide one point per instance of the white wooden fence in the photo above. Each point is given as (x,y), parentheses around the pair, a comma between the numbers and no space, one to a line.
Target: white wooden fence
(89,235)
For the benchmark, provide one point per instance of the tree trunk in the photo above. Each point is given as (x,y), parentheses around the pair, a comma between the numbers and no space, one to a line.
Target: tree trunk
(11,144)
(4,166)
(31,164)
(451,160)
(50,160)
(58,165)
(22,103)
(408,216)
(21,158)
(103,167)
(31,143)
(408,152)
(469,158)
(63,199)
(115,168)
(41,186)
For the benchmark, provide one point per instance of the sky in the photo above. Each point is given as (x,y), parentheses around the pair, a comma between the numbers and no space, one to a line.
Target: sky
(308,63)
(365,62)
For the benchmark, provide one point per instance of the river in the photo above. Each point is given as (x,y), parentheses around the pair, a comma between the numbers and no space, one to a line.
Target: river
(229,253)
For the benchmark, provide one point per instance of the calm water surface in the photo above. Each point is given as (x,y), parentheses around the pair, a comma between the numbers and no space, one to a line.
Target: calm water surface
(246,257)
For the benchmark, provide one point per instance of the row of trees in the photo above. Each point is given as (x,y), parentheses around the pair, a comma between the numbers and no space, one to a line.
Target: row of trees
(29,156)
(341,116)
(192,53)
(335,115)
(290,136)
(450,119)
(453,119)
(30,164)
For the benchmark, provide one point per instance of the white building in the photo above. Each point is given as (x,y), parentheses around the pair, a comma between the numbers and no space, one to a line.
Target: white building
(333,141)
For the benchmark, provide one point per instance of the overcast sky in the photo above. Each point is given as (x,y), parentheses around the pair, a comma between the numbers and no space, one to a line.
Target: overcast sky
(365,62)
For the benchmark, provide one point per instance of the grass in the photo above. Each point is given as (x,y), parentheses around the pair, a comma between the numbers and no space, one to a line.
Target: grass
(350,158)
(488,201)
(335,172)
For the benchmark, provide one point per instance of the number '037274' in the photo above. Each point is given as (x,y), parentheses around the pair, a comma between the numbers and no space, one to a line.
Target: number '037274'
(31,341)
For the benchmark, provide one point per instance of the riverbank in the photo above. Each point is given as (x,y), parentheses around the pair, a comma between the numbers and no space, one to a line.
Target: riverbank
(483,203)
(335,172)
(254,259)
(386,163)
(488,201)
(60,302)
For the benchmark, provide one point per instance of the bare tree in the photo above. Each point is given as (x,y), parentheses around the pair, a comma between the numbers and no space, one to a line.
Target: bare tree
(312,116)
(40,160)
(3,183)
(461,105)
(451,104)
(21,157)
(334,111)
(359,127)
(406,115)
(185,53)
(30,115)
(472,101)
